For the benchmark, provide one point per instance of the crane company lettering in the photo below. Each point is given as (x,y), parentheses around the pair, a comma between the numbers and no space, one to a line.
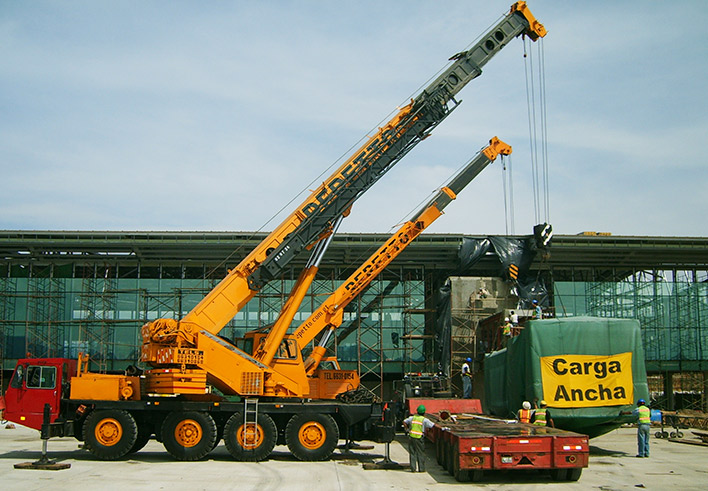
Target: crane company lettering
(587,381)
(338,375)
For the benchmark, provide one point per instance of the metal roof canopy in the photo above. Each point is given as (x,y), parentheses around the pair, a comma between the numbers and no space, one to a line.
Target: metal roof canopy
(609,257)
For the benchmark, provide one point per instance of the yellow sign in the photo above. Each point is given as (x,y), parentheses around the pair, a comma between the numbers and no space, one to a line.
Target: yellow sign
(587,381)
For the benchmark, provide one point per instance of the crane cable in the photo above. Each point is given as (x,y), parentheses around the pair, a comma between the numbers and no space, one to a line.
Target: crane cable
(538,137)
(508,186)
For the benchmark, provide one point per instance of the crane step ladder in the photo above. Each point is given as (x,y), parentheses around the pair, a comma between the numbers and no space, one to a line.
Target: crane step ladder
(250,423)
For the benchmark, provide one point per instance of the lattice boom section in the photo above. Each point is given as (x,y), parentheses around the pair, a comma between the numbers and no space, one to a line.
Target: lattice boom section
(251,383)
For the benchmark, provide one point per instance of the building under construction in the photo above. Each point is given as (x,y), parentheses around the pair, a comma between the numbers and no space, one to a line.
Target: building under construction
(62,293)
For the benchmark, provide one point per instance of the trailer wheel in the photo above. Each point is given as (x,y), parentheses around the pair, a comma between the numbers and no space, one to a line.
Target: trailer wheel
(110,434)
(443,453)
(438,450)
(559,474)
(476,475)
(658,434)
(312,436)
(574,474)
(450,461)
(461,475)
(242,447)
(188,435)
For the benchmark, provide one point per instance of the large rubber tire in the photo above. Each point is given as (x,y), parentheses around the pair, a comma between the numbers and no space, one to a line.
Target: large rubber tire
(188,435)
(109,434)
(476,475)
(559,474)
(438,450)
(312,437)
(235,440)
(450,460)
(443,454)
(144,434)
(574,474)
(461,475)
(658,434)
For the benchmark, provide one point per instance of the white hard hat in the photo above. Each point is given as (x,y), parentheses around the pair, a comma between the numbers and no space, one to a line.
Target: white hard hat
(526,405)
(506,319)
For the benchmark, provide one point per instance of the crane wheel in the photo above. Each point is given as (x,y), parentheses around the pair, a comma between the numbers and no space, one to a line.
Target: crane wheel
(312,436)
(188,435)
(244,444)
(109,434)
(144,434)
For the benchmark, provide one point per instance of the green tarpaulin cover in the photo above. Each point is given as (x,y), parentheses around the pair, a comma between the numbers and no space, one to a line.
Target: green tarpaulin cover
(514,374)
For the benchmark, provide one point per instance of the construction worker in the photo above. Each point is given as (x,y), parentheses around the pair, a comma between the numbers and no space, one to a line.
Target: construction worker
(537,310)
(643,414)
(506,331)
(524,414)
(466,379)
(417,426)
(542,416)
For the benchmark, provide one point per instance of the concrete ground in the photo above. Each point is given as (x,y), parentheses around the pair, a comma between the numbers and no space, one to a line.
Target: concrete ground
(613,466)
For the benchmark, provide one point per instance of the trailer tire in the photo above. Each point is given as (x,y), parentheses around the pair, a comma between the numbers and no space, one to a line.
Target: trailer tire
(476,475)
(450,460)
(312,437)
(574,474)
(658,434)
(559,474)
(266,437)
(188,435)
(461,475)
(109,434)
(438,450)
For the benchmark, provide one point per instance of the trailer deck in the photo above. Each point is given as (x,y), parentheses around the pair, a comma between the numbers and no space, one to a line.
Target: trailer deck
(467,445)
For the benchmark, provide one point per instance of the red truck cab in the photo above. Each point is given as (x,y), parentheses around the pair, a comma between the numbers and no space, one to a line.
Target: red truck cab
(36,382)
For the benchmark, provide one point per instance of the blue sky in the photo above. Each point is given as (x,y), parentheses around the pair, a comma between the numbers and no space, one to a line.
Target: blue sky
(215,115)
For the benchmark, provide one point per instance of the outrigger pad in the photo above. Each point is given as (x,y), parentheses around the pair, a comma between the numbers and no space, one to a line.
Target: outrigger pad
(42,466)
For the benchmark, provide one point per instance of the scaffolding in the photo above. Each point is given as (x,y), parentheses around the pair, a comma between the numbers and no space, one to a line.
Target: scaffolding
(45,309)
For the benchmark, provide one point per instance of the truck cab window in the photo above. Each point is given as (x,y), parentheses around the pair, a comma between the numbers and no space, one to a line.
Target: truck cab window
(39,377)
(18,377)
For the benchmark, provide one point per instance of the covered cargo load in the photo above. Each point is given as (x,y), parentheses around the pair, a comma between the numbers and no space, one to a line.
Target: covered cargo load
(587,369)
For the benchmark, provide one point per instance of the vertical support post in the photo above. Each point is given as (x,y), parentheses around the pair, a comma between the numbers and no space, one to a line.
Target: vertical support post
(669,390)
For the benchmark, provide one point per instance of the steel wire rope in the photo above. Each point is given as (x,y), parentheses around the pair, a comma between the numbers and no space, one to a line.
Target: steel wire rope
(508,182)
(544,127)
(531,111)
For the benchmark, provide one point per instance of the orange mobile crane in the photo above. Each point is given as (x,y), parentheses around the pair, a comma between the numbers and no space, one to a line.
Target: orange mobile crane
(201,387)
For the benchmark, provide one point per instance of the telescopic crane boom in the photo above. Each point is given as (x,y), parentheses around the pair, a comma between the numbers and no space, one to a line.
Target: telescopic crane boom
(328,316)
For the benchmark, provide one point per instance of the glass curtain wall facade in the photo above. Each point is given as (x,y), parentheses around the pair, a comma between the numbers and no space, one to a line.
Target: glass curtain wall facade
(61,311)
(672,308)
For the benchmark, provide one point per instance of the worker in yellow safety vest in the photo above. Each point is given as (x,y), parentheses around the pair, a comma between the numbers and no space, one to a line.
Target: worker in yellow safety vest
(417,426)
(541,416)
(643,414)
(524,414)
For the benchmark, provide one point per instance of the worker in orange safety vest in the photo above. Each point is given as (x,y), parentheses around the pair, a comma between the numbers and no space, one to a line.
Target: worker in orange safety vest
(524,414)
